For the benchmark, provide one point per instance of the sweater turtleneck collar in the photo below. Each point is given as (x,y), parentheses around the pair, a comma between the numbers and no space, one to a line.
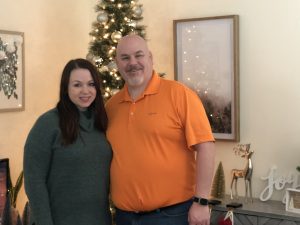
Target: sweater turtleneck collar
(86,120)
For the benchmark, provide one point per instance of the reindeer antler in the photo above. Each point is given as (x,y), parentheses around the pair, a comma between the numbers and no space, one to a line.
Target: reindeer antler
(241,149)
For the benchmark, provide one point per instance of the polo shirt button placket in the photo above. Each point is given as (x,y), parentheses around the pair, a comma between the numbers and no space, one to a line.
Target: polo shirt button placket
(132,109)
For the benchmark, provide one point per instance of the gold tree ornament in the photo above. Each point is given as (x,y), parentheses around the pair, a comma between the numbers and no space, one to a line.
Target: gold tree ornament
(218,186)
(116,36)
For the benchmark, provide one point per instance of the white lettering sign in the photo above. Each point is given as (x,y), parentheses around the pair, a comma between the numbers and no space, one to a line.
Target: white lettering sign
(278,183)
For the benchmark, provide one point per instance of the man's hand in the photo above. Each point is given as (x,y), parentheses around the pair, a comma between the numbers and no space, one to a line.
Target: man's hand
(199,215)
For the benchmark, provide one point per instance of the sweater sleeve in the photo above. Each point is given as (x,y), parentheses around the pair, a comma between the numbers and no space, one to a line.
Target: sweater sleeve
(37,162)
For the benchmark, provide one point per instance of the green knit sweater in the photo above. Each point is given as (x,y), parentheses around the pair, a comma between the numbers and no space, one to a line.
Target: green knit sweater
(67,185)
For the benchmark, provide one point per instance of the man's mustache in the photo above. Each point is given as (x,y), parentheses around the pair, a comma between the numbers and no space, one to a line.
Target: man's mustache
(134,68)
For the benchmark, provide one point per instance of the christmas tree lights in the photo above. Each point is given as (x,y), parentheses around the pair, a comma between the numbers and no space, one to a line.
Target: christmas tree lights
(115,19)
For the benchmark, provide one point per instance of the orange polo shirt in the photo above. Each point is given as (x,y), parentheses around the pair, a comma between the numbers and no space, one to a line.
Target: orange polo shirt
(153,165)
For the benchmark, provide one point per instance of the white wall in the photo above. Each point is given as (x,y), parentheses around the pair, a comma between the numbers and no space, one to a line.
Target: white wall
(56,31)
(269,76)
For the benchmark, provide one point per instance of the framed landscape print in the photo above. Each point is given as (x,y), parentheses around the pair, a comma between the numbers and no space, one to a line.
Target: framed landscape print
(206,59)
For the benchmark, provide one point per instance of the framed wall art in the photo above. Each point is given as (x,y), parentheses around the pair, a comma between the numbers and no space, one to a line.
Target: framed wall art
(11,71)
(206,58)
(292,203)
(4,177)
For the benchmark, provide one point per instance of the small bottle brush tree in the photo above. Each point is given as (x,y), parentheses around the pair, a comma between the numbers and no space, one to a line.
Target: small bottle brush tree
(218,186)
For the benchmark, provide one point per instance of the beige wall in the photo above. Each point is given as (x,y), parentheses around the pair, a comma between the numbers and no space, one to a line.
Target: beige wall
(56,31)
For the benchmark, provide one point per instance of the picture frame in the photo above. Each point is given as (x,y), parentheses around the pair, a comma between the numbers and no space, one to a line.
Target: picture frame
(4,182)
(206,59)
(292,203)
(12,72)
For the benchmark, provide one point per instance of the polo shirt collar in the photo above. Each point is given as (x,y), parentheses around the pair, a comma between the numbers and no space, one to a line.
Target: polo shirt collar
(152,88)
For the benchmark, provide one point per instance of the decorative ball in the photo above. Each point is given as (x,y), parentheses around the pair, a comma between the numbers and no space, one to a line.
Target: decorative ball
(116,36)
(102,17)
(112,66)
(111,51)
(137,11)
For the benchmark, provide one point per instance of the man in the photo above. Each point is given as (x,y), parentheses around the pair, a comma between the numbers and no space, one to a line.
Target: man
(155,126)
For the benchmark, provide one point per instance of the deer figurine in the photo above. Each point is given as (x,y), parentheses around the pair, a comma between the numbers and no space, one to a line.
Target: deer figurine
(243,150)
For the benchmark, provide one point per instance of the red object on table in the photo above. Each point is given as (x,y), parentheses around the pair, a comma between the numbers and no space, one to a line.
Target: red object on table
(224,222)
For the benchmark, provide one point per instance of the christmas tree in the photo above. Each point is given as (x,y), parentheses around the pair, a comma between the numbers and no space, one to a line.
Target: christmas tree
(115,19)
(218,186)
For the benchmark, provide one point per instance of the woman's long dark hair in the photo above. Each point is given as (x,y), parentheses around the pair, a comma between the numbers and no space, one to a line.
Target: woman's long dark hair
(67,110)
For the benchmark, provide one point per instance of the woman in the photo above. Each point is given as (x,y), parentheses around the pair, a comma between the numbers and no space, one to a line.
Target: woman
(67,156)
